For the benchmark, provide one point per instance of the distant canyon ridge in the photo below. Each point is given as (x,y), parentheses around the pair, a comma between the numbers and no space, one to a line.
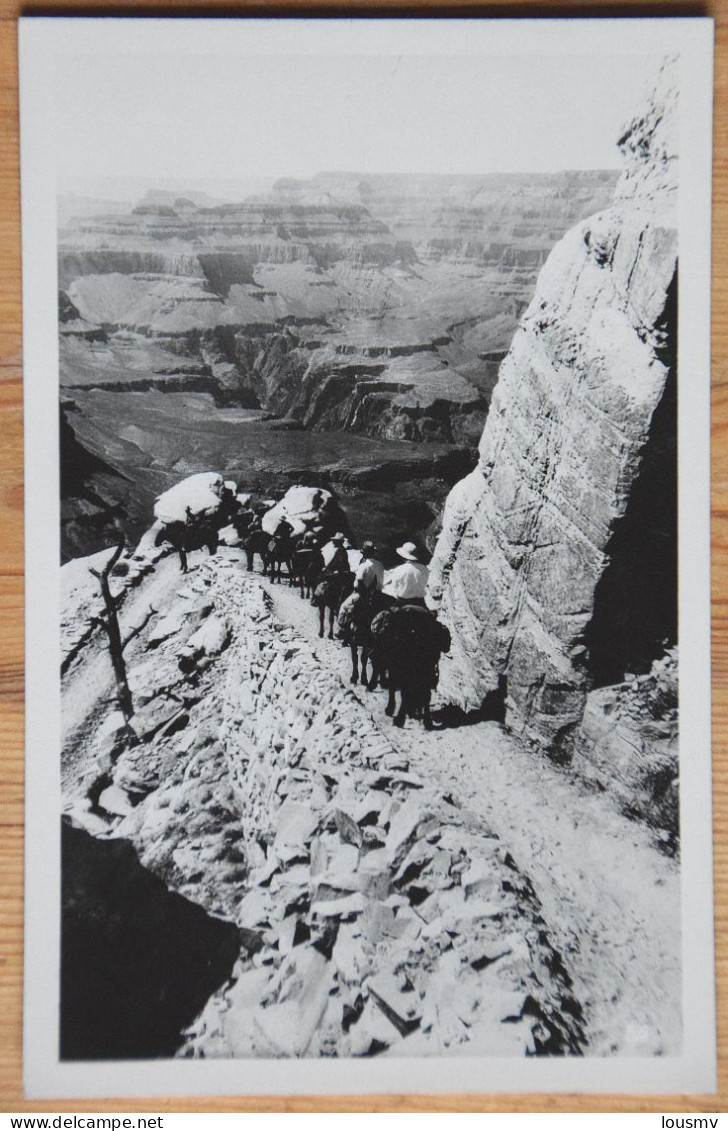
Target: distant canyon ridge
(346,330)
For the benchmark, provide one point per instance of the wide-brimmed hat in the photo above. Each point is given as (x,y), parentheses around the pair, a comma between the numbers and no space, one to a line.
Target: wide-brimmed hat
(368,548)
(339,538)
(408,551)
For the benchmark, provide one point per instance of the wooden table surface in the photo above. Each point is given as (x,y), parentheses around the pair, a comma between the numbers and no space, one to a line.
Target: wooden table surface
(11,588)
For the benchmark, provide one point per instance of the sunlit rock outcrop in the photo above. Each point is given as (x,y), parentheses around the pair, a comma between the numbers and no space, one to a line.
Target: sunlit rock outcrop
(549,547)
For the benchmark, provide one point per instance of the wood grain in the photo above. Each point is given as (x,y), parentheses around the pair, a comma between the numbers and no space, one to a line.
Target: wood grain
(11,587)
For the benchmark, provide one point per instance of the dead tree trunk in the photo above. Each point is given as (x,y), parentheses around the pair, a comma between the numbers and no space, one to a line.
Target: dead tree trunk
(110,623)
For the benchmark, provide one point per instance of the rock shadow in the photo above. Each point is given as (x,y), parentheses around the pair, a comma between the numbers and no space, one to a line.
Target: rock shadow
(138,962)
(492,710)
(635,602)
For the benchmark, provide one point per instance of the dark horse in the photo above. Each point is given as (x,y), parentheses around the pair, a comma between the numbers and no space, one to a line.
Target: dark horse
(328,594)
(275,551)
(355,628)
(279,554)
(408,642)
(190,535)
(307,563)
(256,543)
(279,551)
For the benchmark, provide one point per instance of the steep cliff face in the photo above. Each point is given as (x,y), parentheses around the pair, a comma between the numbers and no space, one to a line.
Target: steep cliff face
(572,505)
(91,494)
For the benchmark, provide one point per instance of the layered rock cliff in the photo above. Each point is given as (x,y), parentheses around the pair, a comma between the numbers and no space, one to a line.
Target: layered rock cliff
(368,313)
(555,569)
(356,266)
(508,220)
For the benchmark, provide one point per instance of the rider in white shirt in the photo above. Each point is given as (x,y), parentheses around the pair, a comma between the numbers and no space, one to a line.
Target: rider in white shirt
(408,582)
(370,574)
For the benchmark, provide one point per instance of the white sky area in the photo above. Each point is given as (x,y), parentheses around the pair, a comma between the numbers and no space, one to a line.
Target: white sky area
(207,121)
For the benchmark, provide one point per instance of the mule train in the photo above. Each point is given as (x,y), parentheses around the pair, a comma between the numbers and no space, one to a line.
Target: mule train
(391,634)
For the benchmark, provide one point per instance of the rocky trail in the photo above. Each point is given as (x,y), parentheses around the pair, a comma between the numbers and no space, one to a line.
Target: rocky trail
(538,893)
(608,893)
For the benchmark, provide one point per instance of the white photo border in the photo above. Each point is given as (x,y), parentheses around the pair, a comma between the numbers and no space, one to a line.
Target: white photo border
(43,40)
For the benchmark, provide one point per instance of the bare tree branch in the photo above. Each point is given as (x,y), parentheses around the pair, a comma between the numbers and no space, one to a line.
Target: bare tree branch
(111,625)
(110,563)
(115,557)
(135,631)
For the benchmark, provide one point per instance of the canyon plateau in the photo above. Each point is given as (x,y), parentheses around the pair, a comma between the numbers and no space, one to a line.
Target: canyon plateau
(350,326)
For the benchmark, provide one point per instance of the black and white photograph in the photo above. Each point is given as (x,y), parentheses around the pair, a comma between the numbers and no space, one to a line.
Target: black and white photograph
(366,433)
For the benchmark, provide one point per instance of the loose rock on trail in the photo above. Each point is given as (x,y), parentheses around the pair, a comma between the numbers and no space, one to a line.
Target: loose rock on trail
(395,891)
(612,899)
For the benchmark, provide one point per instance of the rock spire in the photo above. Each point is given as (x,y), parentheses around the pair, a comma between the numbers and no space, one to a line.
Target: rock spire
(549,545)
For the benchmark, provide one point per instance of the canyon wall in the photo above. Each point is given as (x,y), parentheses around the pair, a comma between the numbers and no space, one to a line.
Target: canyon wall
(555,569)
(338,269)
(508,221)
(360,317)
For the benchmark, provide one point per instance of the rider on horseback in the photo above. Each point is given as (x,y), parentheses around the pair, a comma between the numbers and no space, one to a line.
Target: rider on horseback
(370,574)
(335,583)
(283,531)
(408,582)
(340,561)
